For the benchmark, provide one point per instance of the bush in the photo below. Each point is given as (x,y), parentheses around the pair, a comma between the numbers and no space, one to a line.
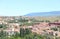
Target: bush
(55,29)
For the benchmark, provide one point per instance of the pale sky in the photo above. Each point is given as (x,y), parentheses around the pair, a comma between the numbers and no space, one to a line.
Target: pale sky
(22,7)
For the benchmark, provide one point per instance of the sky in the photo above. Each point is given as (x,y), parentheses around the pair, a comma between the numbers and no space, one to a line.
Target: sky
(22,7)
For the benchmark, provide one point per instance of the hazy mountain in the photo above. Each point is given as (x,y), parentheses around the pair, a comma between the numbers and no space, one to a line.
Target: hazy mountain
(54,13)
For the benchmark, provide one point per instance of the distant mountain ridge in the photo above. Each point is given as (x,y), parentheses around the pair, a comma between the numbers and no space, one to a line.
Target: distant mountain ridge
(54,13)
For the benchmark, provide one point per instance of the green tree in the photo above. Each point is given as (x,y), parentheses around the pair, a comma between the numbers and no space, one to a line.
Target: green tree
(24,32)
(55,29)
(3,26)
(3,35)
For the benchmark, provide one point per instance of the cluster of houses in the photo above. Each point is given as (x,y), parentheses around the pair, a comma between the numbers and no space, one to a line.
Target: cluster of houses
(45,28)
(11,28)
(39,28)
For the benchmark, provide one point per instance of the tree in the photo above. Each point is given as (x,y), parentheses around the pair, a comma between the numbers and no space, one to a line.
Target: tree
(47,21)
(55,29)
(28,31)
(3,34)
(3,26)
(22,32)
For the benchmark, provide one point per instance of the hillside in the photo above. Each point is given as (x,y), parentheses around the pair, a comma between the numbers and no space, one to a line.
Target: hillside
(54,13)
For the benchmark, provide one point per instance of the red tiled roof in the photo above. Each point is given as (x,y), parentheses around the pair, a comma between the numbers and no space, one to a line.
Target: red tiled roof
(54,23)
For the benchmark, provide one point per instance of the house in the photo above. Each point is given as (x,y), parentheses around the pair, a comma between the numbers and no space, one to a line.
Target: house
(56,24)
